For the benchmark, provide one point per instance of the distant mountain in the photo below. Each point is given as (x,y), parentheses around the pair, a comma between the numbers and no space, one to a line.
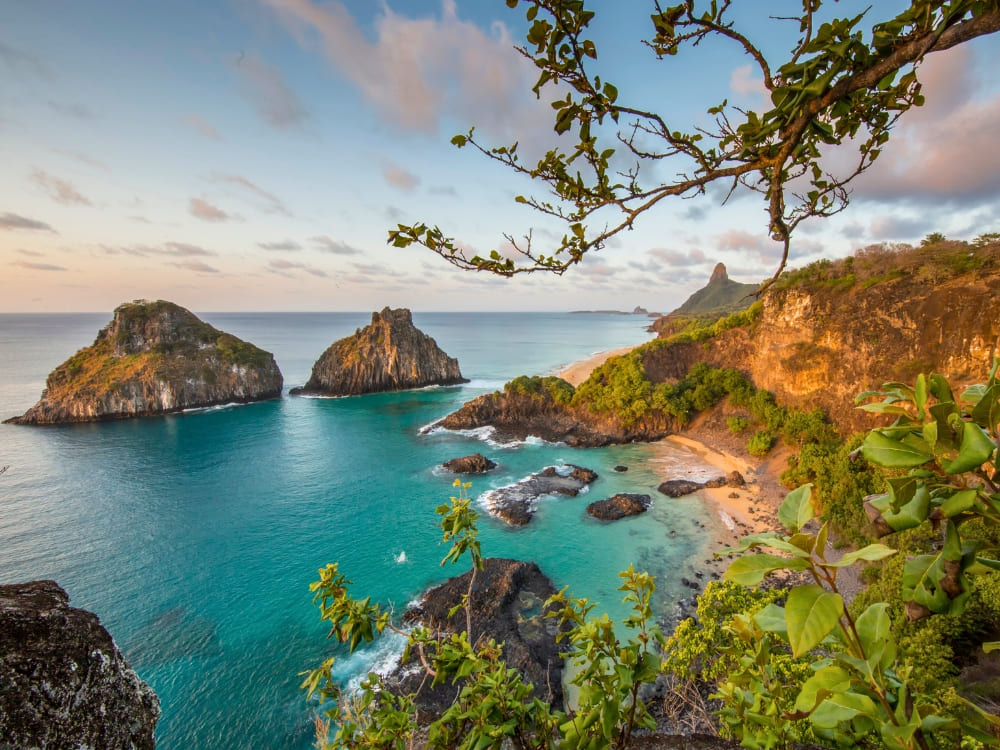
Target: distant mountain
(721,296)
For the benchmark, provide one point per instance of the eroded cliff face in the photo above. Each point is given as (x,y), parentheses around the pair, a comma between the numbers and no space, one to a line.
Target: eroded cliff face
(390,354)
(820,347)
(63,682)
(154,358)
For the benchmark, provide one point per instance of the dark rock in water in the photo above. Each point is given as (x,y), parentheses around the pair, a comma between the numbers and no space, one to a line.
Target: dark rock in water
(620,468)
(154,358)
(516,503)
(507,604)
(679,487)
(477,463)
(390,354)
(619,506)
(63,682)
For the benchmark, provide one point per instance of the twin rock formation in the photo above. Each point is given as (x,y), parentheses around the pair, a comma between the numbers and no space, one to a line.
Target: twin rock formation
(158,358)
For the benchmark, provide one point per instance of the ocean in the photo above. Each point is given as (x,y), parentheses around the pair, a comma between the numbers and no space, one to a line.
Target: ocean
(195,536)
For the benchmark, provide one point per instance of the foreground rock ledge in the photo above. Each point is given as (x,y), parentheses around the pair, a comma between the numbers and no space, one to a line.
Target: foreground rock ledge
(63,682)
(154,358)
(390,354)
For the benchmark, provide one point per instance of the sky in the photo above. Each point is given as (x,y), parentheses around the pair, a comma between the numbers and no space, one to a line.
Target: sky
(254,154)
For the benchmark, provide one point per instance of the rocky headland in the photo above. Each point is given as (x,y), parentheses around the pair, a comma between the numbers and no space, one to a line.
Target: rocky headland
(63,682)
(507,604)
(154,358)
(390,354)
(516,503)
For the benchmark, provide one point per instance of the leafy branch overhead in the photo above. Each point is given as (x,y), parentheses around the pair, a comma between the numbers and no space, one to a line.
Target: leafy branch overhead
(838,84)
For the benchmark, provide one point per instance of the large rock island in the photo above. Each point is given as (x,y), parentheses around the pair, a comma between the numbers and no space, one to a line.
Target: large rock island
(154,358)
(390,354)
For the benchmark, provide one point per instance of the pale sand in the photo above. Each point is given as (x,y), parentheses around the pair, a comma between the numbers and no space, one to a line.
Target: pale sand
(580,371)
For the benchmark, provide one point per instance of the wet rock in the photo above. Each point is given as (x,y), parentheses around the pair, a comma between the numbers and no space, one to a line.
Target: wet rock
(735,479)
(619,468)
(619,506)
(477,463)
(516,503)
(63,682)
(679,487)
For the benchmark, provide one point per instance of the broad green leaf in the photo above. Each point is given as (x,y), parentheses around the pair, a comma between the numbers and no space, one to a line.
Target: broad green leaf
(920,392)
(751,569)
(890,453)
(874,630)
(976,450)
(826,681)
(871,553)
(811,613)
(991,564)
(991,646)
(921,583)
(930,432)
(901,491)
(796,509)
(986,412)
(771,619)
(765,539)
(960,502)
(940,388)
(910,515)
(841,707)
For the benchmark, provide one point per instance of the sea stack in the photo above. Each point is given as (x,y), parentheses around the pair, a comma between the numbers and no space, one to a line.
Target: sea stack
(388,355)
(154,358)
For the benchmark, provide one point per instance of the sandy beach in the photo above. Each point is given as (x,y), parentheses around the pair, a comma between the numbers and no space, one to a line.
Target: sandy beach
(580,371)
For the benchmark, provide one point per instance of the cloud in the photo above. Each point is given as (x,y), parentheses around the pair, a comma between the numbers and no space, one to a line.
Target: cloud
(37,266)
(283,246)
(174,249)
(271,203)
(743,81)
(899,227)
(59,190)
(678,258)
(195,265)
(329,245)
(283,266)
(265,88)
(202,209)
(418,71)
(14,221)
(19,60)
(200,125)
(396,175)
(182,248)
(30,253)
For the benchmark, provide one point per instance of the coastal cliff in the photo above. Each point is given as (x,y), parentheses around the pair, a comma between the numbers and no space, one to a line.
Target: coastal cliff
(154,358)
(63,682)
(390,354)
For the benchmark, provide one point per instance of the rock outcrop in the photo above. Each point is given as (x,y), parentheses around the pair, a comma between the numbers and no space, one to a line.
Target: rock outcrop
(154,358)
(390,354)
(619,506)
(476,463)
(721,296)
(516,503)
(682,487)
(63,682)
(507,604)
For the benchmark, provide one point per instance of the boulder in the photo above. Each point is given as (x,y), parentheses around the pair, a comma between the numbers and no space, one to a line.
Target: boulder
(507,604)
(390,354)
(516,503)
(154,358)
(679,487)
(477,463)
(621,468)
(63,682)
(619,506)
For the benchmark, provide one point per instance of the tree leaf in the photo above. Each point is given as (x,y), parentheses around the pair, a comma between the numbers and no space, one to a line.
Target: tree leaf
(890,453)
(824,682)
(811,613)
(976,450)
(874,628)
(772,619)
(841,707)
(796,509)
(871,553)
(751,569)
(960,502)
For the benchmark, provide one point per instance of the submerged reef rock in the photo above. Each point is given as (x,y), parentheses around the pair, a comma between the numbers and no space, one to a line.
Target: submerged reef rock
(619,506)
(63,682)
(477,463)
(154,358)
(507,604)
(391,354)
(516,503)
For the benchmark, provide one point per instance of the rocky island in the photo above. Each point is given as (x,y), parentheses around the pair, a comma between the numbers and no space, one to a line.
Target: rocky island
(154,358)
(390,354)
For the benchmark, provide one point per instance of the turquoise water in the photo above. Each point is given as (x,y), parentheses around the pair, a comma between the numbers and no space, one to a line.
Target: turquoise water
(194,537)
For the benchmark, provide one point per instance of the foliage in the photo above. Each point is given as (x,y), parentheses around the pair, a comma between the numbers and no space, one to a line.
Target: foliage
(736,425)
(703,330)
(494,707)
(834,88)
(760,443)
(556,388)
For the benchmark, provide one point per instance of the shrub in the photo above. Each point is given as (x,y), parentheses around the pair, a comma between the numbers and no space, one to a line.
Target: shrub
(736,425)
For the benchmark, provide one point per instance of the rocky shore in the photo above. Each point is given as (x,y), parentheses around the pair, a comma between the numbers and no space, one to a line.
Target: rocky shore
(516,503)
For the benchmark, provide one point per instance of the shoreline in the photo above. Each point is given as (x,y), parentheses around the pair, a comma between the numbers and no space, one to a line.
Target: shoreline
(577,372)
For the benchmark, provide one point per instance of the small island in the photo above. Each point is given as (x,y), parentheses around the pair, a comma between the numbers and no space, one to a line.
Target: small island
(390,354)
(154,358)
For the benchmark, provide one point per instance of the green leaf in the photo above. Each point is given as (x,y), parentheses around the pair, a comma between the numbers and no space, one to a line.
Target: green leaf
(826,681)
(841,707)
(991,646)
(987,411)
(751,569)
(940,388)
(796,509)
(920,392)
(874,631)
(960,502)
(976,450)
(884,451)
(871,553)
(811,613)
(771,619)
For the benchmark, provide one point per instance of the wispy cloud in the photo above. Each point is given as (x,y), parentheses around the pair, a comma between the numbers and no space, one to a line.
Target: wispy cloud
(83,158)
(18,60)
(283,266)
(282,246)
(329,245)
(399,177)
(270,203)
(200,125)
(196,266)
(30,253)
(15,221)
(265,88)
(59,190)
(37,266)
(173,249)
(745,81)
(202,209)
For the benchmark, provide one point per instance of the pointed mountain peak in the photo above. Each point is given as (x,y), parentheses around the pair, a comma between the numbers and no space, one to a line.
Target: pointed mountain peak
(719,274)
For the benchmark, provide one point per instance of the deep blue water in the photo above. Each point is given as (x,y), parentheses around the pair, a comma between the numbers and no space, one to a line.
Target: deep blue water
(194,537)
